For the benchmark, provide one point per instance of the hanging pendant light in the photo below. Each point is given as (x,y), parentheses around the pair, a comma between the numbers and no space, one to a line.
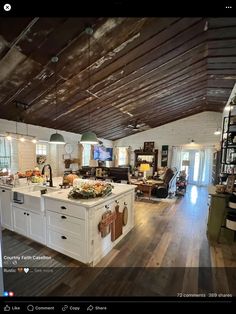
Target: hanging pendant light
(89,137)
(56,138)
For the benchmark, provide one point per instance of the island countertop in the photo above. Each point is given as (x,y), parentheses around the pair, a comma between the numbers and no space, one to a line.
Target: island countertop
(119,189)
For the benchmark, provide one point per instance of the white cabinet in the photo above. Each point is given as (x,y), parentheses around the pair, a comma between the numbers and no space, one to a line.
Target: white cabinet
(37,227)
(29,224)
(20,220)
(72,229)
(67,243)
(65,208)
(101,246)
(66,231)
(6,208)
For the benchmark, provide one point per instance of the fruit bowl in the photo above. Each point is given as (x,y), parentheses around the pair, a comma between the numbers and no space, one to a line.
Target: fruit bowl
(91,189)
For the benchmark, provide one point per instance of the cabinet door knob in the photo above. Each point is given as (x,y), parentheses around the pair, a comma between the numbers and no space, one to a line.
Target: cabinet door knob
(117,202)
(106,206)
(27,214)
(3,191)
(63,217)
(24,213)
(63,237)
(63,207)
(125,203)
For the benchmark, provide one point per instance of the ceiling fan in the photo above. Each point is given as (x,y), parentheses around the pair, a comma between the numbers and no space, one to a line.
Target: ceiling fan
(136,126)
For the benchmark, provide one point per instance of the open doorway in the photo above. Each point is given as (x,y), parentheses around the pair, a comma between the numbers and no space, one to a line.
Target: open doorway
(197,165)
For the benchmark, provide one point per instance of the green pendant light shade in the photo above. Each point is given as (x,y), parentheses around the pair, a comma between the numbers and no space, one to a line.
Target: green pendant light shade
(89,138)
(57,139)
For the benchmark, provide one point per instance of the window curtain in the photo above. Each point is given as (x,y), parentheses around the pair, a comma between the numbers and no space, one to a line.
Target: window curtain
(80,154)
(205,167)
(176,157)
(92,152)
(122,156)
(116,156)
(128,156)
(5,153)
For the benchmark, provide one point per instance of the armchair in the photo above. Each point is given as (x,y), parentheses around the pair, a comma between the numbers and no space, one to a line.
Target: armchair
(162,187)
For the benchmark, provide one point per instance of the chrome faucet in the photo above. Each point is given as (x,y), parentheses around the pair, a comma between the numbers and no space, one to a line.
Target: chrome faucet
(50,174)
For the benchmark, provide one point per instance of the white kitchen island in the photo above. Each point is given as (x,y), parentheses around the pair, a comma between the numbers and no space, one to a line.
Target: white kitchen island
(72,226)
(69,226)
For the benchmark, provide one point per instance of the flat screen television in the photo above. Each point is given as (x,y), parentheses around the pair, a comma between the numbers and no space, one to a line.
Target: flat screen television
(102,153)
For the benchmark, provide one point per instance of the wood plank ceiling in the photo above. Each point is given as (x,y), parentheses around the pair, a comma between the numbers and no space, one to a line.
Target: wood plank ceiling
(150,70)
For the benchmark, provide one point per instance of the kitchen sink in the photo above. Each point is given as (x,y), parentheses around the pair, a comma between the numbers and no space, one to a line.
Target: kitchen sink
(39,193)
(34,188)
(30,197)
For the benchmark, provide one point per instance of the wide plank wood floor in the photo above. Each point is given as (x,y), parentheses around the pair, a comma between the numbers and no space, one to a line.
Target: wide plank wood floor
(167,252)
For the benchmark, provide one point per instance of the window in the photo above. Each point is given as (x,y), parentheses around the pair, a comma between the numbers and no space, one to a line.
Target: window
(86,154)
(5,153)
(41,149)
(123,156)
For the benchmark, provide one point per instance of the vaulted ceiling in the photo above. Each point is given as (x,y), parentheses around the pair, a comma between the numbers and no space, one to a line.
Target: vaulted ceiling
(150,70)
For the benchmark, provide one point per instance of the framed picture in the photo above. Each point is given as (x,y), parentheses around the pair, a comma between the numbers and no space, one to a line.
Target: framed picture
(148,146)
(230,184)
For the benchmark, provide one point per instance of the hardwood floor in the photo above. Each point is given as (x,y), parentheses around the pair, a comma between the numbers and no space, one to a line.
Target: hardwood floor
(166,253)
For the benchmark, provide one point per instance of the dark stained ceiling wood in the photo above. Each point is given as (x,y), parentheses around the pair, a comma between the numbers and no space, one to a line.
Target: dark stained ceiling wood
(156,70)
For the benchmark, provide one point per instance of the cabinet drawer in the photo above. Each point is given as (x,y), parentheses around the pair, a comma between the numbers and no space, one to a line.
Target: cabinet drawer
(65,208)
(65,223)
(67,244)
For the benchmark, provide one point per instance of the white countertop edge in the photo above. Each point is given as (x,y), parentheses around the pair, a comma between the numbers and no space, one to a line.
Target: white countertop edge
(85,202)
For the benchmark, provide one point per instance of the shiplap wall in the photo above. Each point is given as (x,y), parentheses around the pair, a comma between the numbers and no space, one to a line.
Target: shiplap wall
(27,156)
(199,127)
(24,154)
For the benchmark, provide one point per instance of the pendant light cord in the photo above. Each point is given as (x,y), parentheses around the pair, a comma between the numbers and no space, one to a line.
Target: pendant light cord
(56,89)
(89,78)
(55,60)
(89,32)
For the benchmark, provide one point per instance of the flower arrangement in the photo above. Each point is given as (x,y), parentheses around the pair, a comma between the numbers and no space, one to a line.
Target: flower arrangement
(90,189)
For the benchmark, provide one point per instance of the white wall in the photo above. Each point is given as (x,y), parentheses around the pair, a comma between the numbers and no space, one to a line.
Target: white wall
(23,157)
(26,150)
(199,127)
